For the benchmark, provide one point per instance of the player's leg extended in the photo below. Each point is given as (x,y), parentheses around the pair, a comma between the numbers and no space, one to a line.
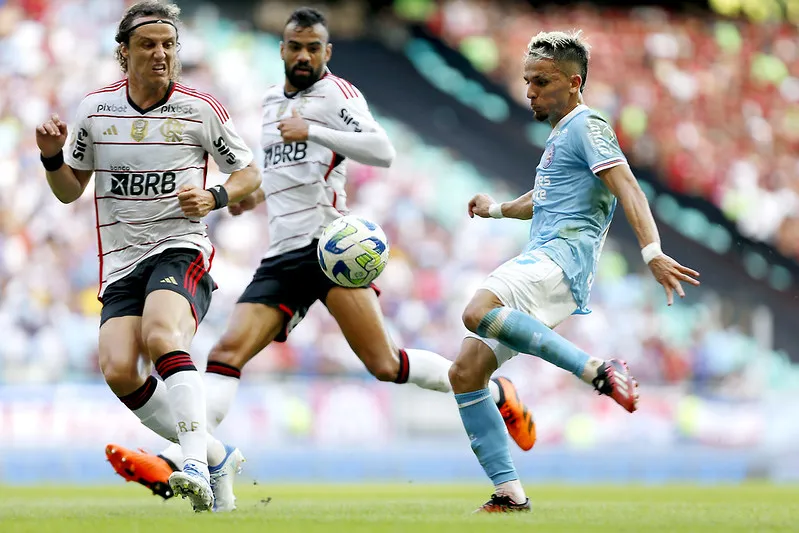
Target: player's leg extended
(358,313)
(168,326)
(120,351)
(538,298)
(251,327)
(360,318)
(469,376)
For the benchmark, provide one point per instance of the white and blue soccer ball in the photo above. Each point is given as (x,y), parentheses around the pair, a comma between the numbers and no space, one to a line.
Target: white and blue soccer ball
(353,251)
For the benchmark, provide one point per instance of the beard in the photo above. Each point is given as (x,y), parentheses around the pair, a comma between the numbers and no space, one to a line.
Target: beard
(303,79)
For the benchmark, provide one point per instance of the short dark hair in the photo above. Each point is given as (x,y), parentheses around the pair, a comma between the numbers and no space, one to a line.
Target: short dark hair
(305,17)
(147,8)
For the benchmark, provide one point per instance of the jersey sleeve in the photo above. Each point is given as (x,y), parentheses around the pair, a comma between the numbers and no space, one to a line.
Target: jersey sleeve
(598,145)
(351,112)
(79,153)
(220,140)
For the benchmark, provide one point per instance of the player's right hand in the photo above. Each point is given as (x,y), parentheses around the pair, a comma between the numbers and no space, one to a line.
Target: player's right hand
(51,136)
(479,205)
(247,203)
(670,273)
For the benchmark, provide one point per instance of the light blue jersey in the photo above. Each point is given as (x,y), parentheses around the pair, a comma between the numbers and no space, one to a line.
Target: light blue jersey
(572,207)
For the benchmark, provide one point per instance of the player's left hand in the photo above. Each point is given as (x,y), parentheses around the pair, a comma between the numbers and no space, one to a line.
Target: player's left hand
(294,128)
(195,202)
(670,273)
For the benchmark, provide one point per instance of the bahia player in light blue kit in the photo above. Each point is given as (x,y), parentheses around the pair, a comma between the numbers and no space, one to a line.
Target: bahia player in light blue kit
(579,180)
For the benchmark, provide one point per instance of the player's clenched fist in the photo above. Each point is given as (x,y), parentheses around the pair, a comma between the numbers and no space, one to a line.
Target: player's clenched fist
(51,136)
(479,206)
(294,128)
(195,202)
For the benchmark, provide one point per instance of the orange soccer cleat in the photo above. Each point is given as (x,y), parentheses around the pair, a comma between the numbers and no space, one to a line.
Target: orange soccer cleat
(517,417)
(152,471)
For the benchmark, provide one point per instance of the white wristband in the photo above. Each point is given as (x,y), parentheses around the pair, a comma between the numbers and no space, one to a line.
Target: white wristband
(651,251)
(495,211)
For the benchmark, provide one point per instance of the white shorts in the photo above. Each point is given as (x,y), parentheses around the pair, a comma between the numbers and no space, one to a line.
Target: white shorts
(533,284)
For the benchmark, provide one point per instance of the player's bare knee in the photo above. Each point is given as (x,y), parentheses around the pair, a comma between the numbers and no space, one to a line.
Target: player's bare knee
(473,315)
(122,377)
(463,377)
(229,353)
(160,338)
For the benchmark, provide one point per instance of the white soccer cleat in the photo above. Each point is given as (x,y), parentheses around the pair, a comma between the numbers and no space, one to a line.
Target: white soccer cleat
(222,478)
(192,484)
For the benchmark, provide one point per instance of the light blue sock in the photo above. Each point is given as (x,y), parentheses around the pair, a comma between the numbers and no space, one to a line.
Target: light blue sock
(487,432)
(525,334)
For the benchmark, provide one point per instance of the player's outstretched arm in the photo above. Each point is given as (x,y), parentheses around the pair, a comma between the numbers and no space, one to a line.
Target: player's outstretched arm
(484,206)
(248,203)
(66,183)
(667,271)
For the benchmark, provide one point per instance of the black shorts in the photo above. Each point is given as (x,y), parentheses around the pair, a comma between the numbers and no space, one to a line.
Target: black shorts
(181,270)
(291,282)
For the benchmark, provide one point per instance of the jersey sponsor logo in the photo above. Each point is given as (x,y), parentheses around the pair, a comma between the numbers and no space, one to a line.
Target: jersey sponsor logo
(172,130)
(549,156)
(177,109)
(349,120)
(111,108)
(80,144)
(223,149)
(142,184)
(111,131)
(120,168)
(539,191)
(285,153)
(601,137)
(138,130)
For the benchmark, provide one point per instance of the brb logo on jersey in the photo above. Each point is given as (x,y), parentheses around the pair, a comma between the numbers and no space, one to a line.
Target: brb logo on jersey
(149,184)
(278,154)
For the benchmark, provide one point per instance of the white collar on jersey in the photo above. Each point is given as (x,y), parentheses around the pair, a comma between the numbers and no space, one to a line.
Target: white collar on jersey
(562,122)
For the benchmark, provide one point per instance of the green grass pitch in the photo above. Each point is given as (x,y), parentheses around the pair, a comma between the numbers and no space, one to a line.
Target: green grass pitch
(405,507)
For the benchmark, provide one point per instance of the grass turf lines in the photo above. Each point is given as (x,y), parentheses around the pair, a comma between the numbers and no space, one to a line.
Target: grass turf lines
(405,507)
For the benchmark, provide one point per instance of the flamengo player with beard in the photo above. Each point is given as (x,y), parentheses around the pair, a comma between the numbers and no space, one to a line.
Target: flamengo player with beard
(147,139)
(311,126)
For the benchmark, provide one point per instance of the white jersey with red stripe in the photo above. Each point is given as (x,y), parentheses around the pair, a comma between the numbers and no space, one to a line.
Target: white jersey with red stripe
(304,181)
(141,158)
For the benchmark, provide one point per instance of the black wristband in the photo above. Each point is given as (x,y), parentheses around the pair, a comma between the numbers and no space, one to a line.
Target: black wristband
(53,163)
(220,196)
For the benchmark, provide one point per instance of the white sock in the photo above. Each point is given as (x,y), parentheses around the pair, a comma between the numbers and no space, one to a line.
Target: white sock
(187,399)
(173,453)
(428,370)
(493,388)
(157,415)
(513,489)
(591,369)
(219,392)
(216,452)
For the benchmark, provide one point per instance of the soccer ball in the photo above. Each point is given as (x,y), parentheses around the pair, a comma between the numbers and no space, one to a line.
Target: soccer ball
(352,251)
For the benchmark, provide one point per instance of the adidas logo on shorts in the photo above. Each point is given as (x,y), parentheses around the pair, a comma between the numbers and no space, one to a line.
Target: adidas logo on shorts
(169,279)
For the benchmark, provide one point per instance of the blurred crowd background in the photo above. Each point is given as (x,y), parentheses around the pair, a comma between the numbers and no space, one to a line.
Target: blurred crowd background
(710,104)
